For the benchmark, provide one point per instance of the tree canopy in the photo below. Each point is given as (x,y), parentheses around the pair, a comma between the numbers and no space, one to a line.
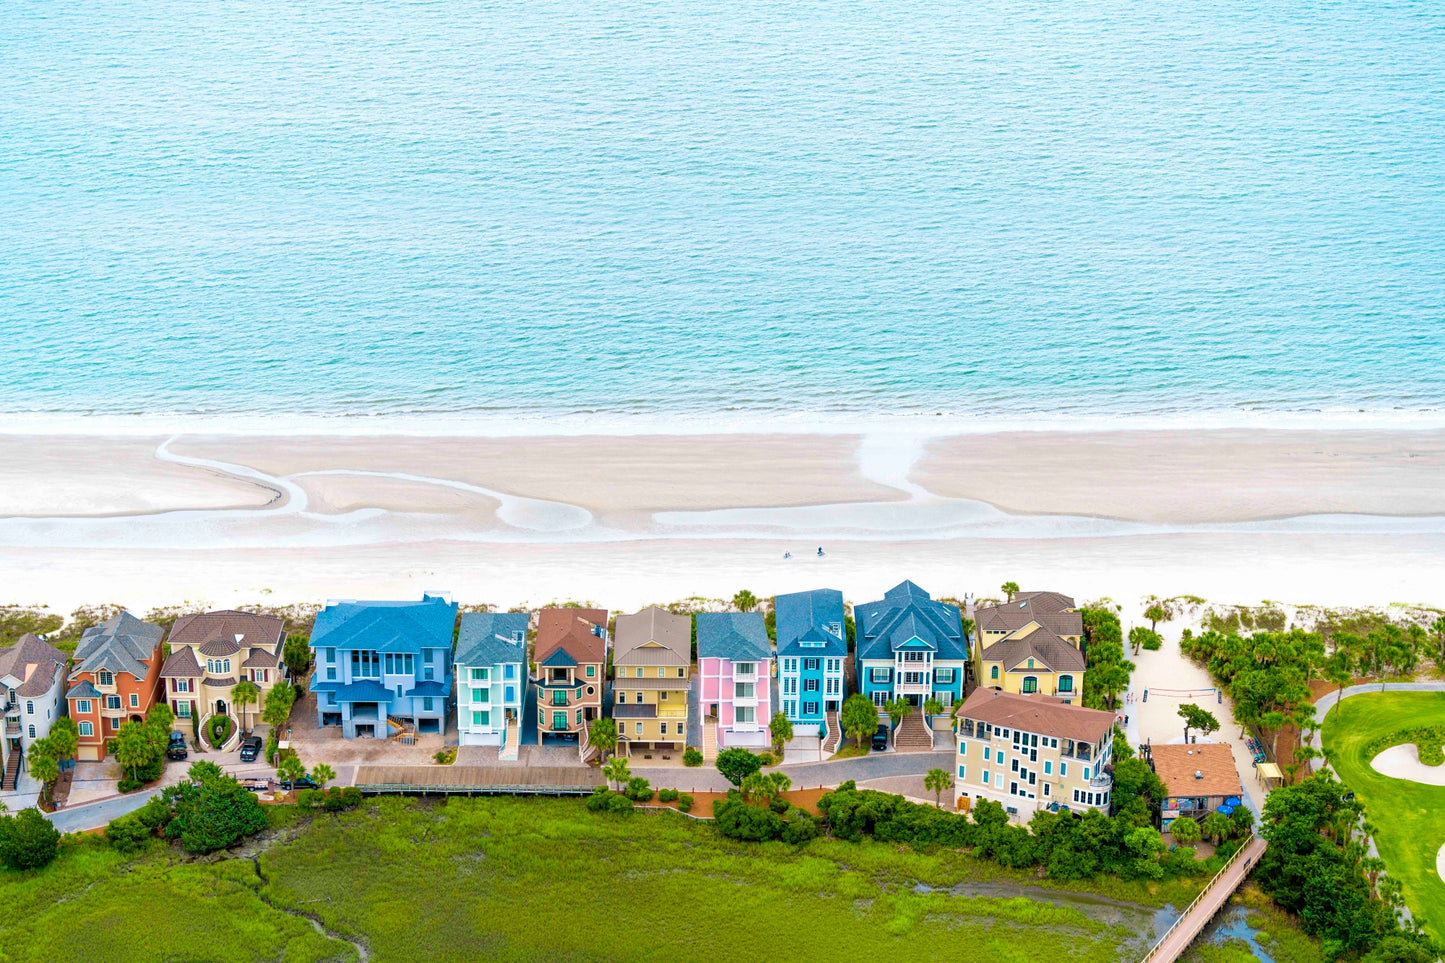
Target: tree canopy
(859,717)
(737,763)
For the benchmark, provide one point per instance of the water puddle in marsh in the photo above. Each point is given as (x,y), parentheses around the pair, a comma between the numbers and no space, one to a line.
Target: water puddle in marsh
(1233,924)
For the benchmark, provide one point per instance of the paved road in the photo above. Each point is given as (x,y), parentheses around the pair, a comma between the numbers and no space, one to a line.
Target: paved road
(94,815)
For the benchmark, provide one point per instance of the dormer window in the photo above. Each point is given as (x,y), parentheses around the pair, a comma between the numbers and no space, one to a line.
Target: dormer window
(519,636)
(104,678)
(836,629)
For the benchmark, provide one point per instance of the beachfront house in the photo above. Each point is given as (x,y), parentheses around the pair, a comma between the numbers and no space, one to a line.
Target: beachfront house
(211,653)
(910,647)
(491,669)
(812,646)
(116,678)
(652,665)
(383,668)
(735,672)
(571,659)
(1032,644)
(1198,779)
(32,679)
(1033,752)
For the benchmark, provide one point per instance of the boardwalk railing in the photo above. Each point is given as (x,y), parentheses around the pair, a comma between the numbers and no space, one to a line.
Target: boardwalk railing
(1184,916)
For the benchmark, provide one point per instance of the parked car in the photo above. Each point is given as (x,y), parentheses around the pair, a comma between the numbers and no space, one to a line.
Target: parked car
(880,738)
(251,748)
(176,748)
(305,782)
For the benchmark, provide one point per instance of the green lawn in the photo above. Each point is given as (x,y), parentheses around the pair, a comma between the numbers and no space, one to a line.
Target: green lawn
(508,879)
(1409,817)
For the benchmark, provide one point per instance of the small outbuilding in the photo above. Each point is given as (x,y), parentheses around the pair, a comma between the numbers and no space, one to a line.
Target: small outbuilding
(1198,779)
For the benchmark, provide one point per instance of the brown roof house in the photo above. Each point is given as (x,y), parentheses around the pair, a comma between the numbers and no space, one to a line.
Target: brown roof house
(32,682)
(212,652)
(1032,644)
(652,672)
(116,678)
(571,663)
(1198,778)
(1031,752)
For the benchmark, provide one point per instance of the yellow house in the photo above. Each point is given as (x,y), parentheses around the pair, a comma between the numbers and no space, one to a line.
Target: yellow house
(1050,610)
(652,669)
(1033,660)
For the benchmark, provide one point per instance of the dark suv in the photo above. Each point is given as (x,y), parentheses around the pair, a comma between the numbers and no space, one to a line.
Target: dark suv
(176,748)
(251,748)
(880,739)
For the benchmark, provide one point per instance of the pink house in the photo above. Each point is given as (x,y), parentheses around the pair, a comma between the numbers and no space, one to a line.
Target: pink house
(735,661)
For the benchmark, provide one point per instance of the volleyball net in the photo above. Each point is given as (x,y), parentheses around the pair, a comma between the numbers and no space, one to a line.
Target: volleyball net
(1210,692)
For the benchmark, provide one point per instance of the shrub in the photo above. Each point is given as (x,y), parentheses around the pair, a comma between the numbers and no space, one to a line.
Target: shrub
(767,759)
(351,795)
(666,795)
(306,798)
(597,802)
(691,757)
(1185,831)
(27,840)
(212,810)
(272,745)
(684,802)
(127,833)
(735,819)
(737,764)
(778,805)
(155,814)
(218,730)
(619,804)
(639,790)
(799,827)
(333,801)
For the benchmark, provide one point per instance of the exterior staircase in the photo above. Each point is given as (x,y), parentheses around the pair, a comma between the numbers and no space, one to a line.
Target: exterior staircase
(12,771)
(402,731)
(912,735)
(709,739)
(510,740)
(834,736)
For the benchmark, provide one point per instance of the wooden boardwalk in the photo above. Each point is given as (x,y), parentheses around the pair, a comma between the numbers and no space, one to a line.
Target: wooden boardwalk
(1173,943)
(536,780)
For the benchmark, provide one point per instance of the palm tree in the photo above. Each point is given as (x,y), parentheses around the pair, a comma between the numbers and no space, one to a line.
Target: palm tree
(1338,670)
(781,730)
(65,737)
(244,693)
(43,765)
(1217,826)
(1010,589)
(1156,613)
(1274,722)
(938,780)
(934,706)
(603,734)
(617,771)
(745,601)
(322,774)
(898,710)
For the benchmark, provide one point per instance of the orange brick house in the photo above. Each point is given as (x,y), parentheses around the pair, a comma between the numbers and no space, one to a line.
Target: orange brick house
(117,677)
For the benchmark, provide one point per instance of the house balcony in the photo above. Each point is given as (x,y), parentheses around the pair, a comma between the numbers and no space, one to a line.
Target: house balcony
(12,726)
(672,712)
(1101,780)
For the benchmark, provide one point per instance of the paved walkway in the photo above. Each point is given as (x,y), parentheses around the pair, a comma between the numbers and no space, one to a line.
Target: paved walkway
(1189,926)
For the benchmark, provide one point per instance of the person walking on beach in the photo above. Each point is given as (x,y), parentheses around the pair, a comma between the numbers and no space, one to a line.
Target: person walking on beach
(820,551)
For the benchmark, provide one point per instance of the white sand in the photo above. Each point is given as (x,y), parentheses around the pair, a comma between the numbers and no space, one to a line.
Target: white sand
(1403,762)
(1440,863)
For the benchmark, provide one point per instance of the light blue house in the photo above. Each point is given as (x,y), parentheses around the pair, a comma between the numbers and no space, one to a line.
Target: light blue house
(812,648)
(383,667)
(491,668)
(910,646)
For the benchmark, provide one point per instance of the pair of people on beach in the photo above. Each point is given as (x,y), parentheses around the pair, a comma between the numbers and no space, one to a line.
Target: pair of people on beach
(790,554)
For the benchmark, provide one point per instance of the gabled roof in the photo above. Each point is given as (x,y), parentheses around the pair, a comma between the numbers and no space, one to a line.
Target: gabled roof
(1056,654)
(581,633)
(428,688)
(1048,609)
(120,644)
(653,636)
(803,620)
(260,659)
(908,618)
(181,664)
(386,626)
(1039,714)
(735,636)
(365,690)
(215,632)
(83,690)
(33,664)
(560,659)
(487,638)
(1214,761)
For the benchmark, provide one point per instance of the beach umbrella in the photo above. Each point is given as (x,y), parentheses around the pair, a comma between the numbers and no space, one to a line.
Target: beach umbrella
(1225,810)
(1232,801)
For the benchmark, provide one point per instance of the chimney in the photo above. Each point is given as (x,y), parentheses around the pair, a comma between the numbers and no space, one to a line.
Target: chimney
(1198,774)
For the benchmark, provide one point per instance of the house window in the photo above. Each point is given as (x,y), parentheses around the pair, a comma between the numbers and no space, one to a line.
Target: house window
(134,700)
(331,673)
(880,697)
(428,673)
(30,708)
(810,665)
(744,690)
(479,675)
(86,729)
(682,673)
(559,698)
(398,692)
(746,714)
(985,777)
(1047,793)
(993,673)
(579,717)
(1086,774)
(879,675)
(661,672)
(1048,768)
(790,708)
(639,698)
(835,665)
(1066,683)
(509,671)
(790,685)
(962,772)
(559,720)
(482,695)
(790,665)
(105,678)
(1031,685)
(741,669)
(1063,769)
(112,702)
(810,685)
(663,728)
(591,671)
(913,657)
(663,696)
(518,636)
(810,708)
(183,708)
(481,717)
(680,732)
(836,629)
(511,693)
(943,676)
(637,726)
(622,698)
(32,732)
(226,666)
(834,686)
(82,706)
(426,704)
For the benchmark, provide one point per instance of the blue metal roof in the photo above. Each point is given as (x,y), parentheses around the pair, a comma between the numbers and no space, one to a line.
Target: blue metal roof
(428,689)
(366,690)
(908,618)
(486,638)
(386,626)
(559,659)
(736,636)
(805,617)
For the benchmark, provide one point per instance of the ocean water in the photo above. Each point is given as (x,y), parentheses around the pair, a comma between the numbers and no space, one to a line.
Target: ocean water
(723,212)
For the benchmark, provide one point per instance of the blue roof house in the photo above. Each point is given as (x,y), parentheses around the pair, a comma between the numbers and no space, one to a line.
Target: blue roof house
(812,648)
(383,668)
(491,669)
(910,646)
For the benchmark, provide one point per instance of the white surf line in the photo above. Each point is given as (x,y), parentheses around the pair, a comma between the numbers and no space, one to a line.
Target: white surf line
(518,511)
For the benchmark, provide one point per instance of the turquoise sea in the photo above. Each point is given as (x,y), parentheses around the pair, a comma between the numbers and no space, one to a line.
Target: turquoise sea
(731,210)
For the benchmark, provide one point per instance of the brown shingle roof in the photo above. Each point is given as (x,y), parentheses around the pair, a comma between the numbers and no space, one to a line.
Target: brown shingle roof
(181,665)
(34,662)
(1040,607)
(1041,645)
(211,627)
(1039,714)
(635,633)
(1176,765)
(260,659)
(571,629)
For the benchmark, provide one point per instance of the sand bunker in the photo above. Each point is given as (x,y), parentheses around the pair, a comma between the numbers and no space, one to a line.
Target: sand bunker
(1403,762)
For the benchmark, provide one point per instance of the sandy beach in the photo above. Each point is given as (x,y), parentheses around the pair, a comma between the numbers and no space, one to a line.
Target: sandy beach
(1338,517)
